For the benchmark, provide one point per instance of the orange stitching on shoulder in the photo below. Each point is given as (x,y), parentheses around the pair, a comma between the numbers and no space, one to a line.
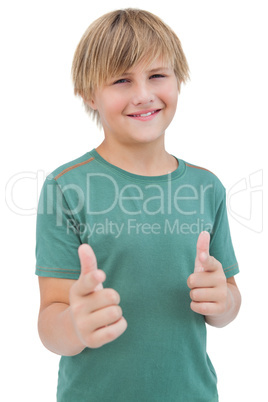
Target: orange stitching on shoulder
(197,167)
(73,167)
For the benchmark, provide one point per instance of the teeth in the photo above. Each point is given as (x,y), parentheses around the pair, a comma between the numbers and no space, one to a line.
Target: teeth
(144,114)
(147,114)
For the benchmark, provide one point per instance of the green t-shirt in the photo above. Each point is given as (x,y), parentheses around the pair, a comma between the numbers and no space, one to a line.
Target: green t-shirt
(143,231)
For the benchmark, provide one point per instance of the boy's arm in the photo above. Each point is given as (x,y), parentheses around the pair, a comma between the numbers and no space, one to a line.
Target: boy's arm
(213,296)
(55,326)
(78,314)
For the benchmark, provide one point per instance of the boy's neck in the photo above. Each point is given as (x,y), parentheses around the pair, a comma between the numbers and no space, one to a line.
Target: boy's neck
(145,160)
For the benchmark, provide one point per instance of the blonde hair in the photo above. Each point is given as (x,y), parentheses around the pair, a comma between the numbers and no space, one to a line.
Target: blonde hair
(118,41)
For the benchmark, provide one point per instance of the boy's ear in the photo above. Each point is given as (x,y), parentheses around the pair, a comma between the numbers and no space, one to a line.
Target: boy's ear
(89,102)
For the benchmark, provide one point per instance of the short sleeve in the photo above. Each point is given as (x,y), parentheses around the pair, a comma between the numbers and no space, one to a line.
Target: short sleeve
(221,246)
(56,241)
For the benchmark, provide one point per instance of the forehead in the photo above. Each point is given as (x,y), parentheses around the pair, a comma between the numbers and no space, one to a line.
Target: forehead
(147,66)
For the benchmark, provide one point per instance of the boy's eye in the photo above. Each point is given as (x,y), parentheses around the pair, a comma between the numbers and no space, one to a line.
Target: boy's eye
(157,76)
(121,81)
(125,80)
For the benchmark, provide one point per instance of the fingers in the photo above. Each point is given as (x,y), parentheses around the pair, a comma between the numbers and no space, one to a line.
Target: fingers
(95,312)
(209,308)
(208,282)
(201,280)
(98,318)
(210,264)
(202,251)
(208,293)
(88,283)
(103,317)
(204,261)
(107,334)
(212,295)
(91,277)
(97,300)
(203,241)
(87,258)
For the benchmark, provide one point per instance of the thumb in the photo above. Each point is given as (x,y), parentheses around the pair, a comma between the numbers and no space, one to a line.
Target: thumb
(87,258)
(202,251)
(88,261)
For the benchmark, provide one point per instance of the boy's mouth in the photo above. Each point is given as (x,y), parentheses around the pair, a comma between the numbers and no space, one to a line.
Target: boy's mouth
(145,114)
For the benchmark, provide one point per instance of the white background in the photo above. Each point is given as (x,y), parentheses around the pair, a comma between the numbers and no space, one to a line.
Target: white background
(221,124)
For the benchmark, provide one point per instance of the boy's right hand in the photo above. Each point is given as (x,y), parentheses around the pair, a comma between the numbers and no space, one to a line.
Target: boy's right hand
(95,312)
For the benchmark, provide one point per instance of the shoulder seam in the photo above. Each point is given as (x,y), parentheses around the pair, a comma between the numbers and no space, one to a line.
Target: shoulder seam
(200,168)
(72,167)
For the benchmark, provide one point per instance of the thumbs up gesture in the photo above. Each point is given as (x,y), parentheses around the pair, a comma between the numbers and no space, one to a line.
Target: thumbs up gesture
(95,311)
(208,284)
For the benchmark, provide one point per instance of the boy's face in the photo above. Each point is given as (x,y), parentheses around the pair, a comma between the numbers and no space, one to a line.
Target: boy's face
(137,106)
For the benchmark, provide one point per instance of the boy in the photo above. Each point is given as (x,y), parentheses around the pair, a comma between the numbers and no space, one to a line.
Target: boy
(136,212)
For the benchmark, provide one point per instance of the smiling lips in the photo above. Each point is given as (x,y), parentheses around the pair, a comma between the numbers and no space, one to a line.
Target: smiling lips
(145,115)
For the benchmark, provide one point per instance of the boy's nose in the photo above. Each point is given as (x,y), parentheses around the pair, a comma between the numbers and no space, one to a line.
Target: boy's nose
(142,95)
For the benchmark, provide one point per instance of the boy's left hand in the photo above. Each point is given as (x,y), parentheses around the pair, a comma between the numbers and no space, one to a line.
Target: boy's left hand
(208,284)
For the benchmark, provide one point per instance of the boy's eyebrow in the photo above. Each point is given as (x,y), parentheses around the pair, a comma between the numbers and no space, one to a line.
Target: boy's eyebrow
(149,71)
(159,68)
